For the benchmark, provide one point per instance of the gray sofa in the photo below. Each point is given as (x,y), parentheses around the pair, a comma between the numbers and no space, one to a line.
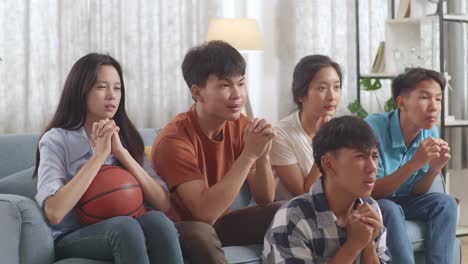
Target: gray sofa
(25,236)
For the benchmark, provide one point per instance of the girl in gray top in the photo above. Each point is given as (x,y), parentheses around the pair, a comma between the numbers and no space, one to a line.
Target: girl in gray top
(91,128)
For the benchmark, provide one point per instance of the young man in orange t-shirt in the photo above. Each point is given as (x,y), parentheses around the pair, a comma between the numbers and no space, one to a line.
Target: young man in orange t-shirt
(206,154)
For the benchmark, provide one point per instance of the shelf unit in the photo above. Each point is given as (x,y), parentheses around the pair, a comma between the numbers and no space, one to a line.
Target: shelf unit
(461,231)
(441,19)
(359,76)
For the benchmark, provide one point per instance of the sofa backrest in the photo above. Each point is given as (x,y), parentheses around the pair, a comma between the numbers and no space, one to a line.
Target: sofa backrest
(148,135)
(17,152)
(18,157)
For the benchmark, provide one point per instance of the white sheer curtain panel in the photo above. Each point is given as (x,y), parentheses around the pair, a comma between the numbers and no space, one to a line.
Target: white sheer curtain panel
(295,28)
(40,41)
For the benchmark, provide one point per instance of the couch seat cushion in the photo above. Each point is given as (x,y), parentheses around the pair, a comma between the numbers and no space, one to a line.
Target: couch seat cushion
(243,254)
(81,261)
(416,231)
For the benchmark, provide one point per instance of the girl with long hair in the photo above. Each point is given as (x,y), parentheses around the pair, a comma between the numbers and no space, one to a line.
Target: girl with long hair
(91,128)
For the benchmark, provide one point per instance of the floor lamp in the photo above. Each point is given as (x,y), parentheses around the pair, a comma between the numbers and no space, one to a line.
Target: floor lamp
(243,34)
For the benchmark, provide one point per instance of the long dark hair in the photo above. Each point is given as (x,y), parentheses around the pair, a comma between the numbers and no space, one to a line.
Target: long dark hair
(72,108)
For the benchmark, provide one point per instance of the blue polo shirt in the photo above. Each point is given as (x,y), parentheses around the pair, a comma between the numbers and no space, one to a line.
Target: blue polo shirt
(392,149)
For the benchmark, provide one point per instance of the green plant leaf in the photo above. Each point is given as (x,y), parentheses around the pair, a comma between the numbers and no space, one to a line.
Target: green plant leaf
(390,105)
(356,109)
(370,84)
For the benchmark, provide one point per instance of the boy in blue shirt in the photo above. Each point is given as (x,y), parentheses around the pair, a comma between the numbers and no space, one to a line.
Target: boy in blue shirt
(411,156)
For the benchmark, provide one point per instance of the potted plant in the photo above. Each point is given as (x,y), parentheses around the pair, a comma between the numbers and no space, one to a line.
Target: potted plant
(370,84)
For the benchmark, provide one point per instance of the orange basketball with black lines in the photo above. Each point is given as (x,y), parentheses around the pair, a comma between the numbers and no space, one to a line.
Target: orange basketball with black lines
(113,192)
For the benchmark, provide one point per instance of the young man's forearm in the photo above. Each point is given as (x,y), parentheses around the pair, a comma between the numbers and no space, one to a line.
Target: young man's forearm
(346,254)
(390,183)
(425,183)
(262,184)
(212,202)
(369,255)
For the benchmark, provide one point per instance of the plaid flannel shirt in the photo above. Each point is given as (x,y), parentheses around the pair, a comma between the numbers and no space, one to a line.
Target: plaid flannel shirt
(305,230)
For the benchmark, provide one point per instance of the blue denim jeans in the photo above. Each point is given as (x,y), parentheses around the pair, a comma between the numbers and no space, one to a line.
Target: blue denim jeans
(151,238)
(437,210)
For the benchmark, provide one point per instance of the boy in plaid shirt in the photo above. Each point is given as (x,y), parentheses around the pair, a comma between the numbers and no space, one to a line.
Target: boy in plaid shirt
(336,221)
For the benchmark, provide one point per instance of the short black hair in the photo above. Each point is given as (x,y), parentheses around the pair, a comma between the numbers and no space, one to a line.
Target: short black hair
(343,132)
(407,81)
(214,57)
(305,71)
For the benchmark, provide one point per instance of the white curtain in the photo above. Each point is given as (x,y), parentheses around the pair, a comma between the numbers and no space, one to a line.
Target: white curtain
(40,41)
(295,28)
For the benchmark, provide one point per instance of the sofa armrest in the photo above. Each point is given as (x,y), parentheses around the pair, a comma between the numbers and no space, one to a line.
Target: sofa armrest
(26,237)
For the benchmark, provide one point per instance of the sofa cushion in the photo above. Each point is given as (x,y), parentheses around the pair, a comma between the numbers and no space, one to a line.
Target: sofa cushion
(148,153)
(416,231)
(81,261)
(234,255)
(18,152)
(243,254)
(20,183)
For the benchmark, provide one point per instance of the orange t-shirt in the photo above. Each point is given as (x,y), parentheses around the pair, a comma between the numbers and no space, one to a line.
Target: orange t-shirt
(182,152)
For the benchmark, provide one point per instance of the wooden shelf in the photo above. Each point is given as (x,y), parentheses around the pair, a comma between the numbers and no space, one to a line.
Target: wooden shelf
(456,18)
(378,75)
(411,20)
(456,123)
(462,231)
(415,20)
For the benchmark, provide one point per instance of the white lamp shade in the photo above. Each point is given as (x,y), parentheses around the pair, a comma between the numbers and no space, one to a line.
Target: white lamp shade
(242,33)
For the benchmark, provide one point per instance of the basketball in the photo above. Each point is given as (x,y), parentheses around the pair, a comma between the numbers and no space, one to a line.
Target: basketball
(113,192)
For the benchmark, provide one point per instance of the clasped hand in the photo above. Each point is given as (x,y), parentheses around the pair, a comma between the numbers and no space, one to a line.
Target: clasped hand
(364,225)
(258,137)
(105,137)
(434,151)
